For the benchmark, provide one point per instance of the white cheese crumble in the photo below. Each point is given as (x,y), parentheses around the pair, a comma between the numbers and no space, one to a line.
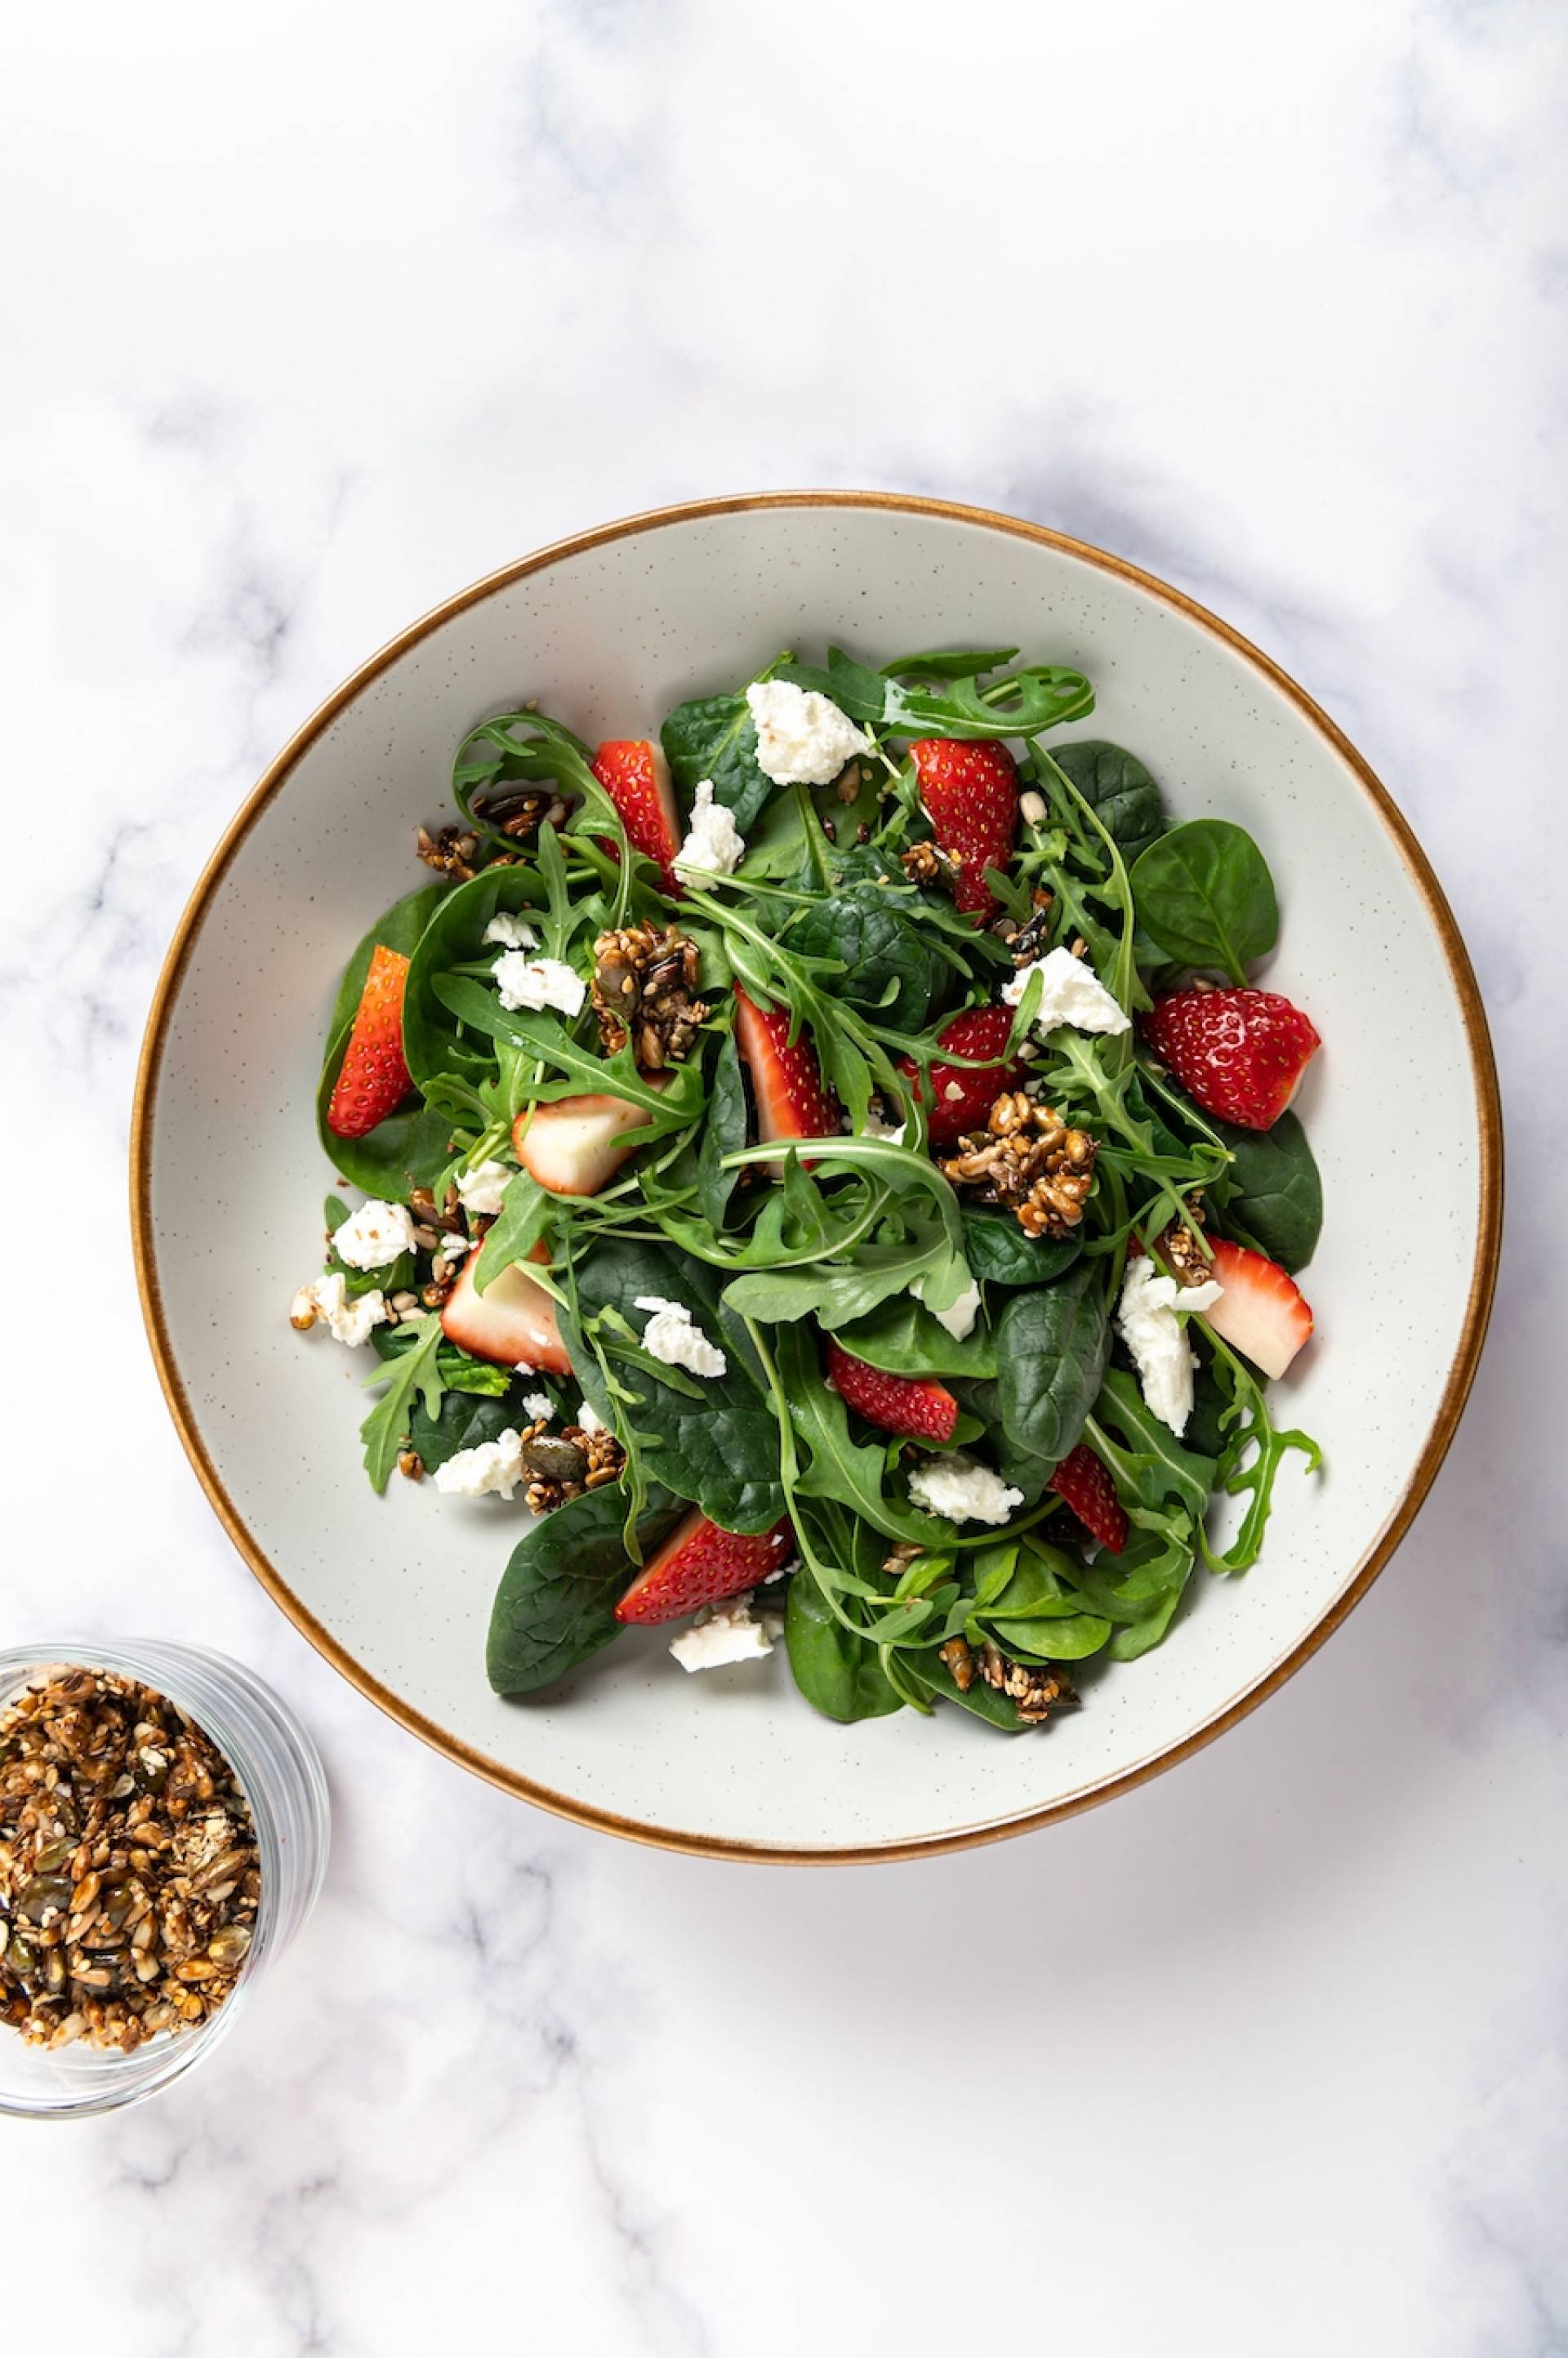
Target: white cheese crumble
(1147,1318)
(348,1318)
(374,1235)
(589,1420)
(802,737)
(537,983)
(537,1406)
(960,1316)
(1073,994)
(672,1335)
(726,1633)
(713,841)
(479,1191)
(875,1126)
(512,933)
(494,1468)
(956,1485)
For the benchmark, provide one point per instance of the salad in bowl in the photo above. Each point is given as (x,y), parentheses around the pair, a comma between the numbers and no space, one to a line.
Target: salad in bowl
(828,1183)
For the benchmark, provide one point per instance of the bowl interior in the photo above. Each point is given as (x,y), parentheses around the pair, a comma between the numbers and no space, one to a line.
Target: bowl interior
(608,635)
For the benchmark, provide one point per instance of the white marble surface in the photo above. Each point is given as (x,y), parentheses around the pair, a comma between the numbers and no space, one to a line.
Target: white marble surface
(312,315)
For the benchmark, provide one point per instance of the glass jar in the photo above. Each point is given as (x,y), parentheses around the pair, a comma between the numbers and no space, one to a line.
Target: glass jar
(278,1770)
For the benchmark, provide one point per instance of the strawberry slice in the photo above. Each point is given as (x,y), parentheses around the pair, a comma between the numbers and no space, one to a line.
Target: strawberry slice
(970,794)
(513,1322)
(372,1079)
(916,1405)
(701,1564)
(1084,1481)
(963,1094)
(1240,1054)
(786,1080)
(574,1147)
(1262,1312)
(635,775)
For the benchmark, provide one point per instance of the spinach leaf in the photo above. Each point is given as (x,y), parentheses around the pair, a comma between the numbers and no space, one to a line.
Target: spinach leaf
(1204,893)
(836,1671)
(555,1605)
(715,736)
(1052,1345)
(902,1338)
(432,1041)
(1272,1195)
(1120,789)
(878,944)
(1000,1252)
(463,1422)
(716,1436)
(724,1133)
(409,1147)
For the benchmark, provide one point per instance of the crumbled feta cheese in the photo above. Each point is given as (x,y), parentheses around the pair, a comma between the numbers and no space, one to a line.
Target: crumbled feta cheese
(672,1335)
(493,1468)
(374,1235)
(713,841)
(801,739)
(956,1485)
(1073,994)
(537,1406)
(348,1318)
(960,1316)
(537,983)
(479,1191)
(726,1633)
(589,1422)
(512,933)
(1147,1318)
(875,1126)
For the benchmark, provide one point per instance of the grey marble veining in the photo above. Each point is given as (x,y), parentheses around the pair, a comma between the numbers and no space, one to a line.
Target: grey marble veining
(312,317)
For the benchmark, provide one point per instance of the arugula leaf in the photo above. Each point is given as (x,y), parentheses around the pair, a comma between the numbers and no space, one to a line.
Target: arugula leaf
(1204,893)
(1117,786)
(951,663)
(840,1673)
(1272,1196)
(715,736)
(1149,1462)
(459,1371)
(525,1213)
(1022,703)
(839,1469)
(555,1605)
(385,1428)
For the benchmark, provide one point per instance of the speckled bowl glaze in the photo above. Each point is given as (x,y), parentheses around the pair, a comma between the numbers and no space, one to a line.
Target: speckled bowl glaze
(610,631)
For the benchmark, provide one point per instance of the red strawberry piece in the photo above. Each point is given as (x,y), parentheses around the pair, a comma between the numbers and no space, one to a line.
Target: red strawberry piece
(786,1079)
(701,1564)
(970,794)
(1084,1480)
(1262,1312)
(372,1079)
(635,775)
(963,1094)
(576,1145)
(916,1405)
(1240,1054)
(513,1322)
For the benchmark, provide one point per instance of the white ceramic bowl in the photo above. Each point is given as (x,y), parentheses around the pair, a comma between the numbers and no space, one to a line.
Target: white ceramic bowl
(610,631)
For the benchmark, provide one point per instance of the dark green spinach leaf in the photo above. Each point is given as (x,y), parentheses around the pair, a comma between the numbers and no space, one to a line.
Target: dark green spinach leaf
(1204,893)
(1272,1195)
(555,1605)
(715,736)
(878,944)
(1000,1253)
(836,1671)
(1121,790)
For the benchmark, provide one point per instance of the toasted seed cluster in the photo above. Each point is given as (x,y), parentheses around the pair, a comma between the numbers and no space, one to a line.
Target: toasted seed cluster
(450,851)
(644,990)
(927,863)
(1027,1158)
(1037,1689)
(129,1877)
(564,1465)
(1181,1249)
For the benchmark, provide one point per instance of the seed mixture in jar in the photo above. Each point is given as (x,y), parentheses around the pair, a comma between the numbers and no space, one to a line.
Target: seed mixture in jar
(129,1877)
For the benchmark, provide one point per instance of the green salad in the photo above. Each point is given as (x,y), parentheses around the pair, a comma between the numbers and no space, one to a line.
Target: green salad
(829,1184)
